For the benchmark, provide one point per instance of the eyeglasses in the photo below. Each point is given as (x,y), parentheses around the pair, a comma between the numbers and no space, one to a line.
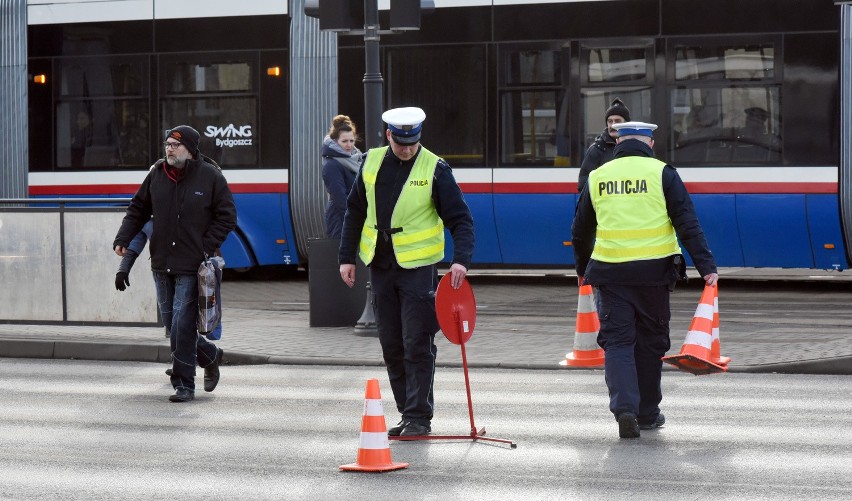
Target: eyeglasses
(173,145)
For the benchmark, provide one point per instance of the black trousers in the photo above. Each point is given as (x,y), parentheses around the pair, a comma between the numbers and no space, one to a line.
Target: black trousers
(635,336)
(406,321)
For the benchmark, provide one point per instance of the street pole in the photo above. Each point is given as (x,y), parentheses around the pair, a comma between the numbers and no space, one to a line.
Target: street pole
(366,325)
(372,77)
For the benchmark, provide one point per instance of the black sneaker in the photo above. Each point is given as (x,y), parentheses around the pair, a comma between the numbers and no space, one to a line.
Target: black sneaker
(182,395)
(396,430)
(658,423)
(413,429)
(169,371)
(211,372)
(628,427)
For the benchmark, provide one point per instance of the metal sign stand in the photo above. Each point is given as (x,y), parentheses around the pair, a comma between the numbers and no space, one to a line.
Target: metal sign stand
(456,310)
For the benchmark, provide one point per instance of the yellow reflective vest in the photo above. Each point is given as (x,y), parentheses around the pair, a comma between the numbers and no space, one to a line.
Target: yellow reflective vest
(421,239)
(633,224)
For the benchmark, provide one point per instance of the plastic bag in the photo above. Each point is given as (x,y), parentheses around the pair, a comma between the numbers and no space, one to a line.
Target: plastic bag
(209,295)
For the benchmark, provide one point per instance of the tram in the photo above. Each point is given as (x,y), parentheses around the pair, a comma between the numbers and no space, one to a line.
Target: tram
(748,108)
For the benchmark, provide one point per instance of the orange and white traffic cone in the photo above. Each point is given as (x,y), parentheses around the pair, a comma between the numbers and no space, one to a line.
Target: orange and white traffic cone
(715,347)
(695,354)
(586,352)
(373,451)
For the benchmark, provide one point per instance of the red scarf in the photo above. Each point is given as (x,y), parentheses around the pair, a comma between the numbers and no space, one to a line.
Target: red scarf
(174,173)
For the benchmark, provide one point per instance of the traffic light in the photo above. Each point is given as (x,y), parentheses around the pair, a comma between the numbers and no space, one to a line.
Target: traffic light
(405,14)
(312,8)
(336,15)
(345,15)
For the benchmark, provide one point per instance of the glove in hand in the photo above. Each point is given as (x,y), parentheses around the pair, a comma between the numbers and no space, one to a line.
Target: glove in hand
(122,281)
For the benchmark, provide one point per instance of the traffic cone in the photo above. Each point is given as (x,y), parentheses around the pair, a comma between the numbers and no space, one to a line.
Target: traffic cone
(373,451)
(586,352)
(695,354)
(715,346)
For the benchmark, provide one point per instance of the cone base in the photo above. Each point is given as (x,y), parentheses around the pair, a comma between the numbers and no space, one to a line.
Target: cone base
(695,365)
(571,360)
(723,361)
(377,467)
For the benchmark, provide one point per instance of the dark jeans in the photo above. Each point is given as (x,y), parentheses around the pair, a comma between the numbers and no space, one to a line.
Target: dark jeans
(406,321)
(635,336)
(177,296)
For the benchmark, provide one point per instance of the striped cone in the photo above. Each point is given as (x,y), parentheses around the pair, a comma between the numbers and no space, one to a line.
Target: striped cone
(695,354)
(586,352)
(715,347)
(373,451)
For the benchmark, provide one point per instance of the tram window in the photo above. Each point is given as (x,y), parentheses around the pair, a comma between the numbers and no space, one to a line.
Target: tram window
(725,62)
(726,125)
(102,133)
(616,65)
(525,67)
(448,83)
(529,127)
(101,77)
(101,115)
(595,101)
(192,77)
(533,105)
(228,126)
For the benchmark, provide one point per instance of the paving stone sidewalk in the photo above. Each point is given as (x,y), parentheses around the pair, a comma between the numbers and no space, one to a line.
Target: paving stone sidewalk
(524,320)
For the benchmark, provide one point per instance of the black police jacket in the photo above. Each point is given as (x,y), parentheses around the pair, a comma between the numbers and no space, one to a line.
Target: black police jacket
(192,217)
(663,271)
(599,153)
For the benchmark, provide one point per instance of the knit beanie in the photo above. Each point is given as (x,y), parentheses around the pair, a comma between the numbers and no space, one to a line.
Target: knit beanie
(187,136)
(617,108)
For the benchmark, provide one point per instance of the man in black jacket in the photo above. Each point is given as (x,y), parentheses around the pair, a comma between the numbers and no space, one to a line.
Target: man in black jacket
(194,211)
(625,238)
(601,151)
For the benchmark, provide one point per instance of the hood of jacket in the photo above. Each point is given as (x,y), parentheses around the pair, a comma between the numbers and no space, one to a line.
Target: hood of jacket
(332,150)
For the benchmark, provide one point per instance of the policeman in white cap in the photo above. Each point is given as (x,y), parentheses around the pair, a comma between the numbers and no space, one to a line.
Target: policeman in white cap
(625,238)
(403,197)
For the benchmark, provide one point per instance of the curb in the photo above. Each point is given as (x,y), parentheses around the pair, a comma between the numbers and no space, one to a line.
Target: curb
(136,352)
(837,366)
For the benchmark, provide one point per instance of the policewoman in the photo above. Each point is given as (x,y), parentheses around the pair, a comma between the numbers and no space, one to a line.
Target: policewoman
(639,207)
(403,197)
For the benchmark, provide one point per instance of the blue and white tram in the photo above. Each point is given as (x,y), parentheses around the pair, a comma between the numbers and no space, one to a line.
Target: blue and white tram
(749,109)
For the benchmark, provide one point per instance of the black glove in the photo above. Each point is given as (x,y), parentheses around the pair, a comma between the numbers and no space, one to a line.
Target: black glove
(122,281)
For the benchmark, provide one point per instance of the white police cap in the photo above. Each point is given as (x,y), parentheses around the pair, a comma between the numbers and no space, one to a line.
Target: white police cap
(635,129)
(405,124)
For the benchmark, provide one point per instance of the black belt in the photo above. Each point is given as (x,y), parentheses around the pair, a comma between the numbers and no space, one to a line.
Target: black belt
(387,232)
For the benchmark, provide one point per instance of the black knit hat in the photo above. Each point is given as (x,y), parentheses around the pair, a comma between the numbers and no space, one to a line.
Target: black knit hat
(617,108)
(187,136)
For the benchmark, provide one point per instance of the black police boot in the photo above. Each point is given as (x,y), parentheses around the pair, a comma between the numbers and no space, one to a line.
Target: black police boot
(211,372)
(413,429)
(628,427)
(182,395)
(396,430)
(658,423)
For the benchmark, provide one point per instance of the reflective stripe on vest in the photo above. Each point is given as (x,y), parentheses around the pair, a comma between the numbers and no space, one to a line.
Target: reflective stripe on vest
(421,241)
(633,224)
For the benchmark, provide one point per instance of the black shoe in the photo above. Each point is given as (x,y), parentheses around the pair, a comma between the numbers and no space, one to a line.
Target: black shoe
(413,429)
(211,373)
(182,395)
(396,430)
(658,423)
(628,427)
(169,371)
